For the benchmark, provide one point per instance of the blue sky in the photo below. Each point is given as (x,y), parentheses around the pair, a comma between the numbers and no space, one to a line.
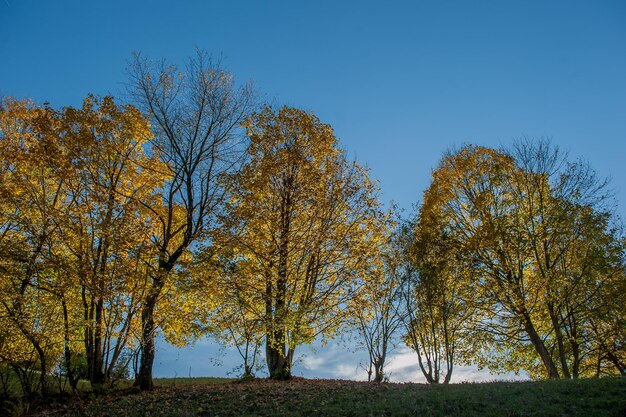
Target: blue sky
(400,82)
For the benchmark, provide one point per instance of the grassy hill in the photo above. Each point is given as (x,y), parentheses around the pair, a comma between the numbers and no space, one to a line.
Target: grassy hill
(301,397)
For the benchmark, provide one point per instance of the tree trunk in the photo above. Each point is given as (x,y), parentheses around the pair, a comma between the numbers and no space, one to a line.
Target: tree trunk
(43,369)
(576,360)
(378,371)
(278,361)
(540,347)
(379,362)
(67,353)
(144,377)
(96,373)
(277,355)
(558,333)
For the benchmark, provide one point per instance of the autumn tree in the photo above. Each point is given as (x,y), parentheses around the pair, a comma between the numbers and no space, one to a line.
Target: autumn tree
(34,167)
(76,238)
(302,223)
(565,216)
(381,311)
(107,232)
(528,227)
(471,194)
(440,310)
(194,116)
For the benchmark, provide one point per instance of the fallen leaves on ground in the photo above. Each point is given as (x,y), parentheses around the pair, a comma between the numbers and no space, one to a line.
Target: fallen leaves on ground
(303,397)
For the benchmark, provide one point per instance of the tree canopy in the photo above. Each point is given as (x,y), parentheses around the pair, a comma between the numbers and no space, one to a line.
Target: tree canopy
(193,211)
(301,226)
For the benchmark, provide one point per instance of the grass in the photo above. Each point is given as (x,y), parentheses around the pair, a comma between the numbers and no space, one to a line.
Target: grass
(56,383)
(300,397)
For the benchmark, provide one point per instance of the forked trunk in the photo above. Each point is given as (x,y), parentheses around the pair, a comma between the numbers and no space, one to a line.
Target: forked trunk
(378,373)
(279,361)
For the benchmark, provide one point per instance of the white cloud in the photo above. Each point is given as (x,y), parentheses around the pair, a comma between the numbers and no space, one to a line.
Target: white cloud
(333,360)
(312,362)
(346,371)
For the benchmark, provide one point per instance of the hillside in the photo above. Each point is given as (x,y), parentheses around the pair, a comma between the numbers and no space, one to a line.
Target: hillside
(300,397)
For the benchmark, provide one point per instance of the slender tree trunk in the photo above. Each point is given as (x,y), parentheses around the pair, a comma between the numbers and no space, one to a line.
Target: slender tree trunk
(379,362)
(43,369)
(67,353)
(120,343)
(449,347)
(93,341)
(428,374)
(147,345)
(558,333)
(573,335)
(540,347)
(96,374)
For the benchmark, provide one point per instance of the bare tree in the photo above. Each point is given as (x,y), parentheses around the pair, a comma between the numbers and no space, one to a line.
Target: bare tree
(195,117)
(436,295)
(379,322)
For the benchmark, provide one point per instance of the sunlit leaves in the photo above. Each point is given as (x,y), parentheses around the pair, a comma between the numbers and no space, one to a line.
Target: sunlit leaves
(531,236)
(302,225)
(76,230)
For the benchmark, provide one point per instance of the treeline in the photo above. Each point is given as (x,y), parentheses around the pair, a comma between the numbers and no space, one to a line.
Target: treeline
(192,209)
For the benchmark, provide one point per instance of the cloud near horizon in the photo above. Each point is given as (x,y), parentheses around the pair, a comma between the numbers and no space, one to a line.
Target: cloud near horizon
(333,360)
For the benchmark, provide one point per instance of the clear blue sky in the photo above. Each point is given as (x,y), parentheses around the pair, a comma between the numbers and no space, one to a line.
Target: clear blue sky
(400,81)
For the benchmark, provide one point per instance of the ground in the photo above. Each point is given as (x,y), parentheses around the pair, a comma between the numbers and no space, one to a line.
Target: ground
(303,397)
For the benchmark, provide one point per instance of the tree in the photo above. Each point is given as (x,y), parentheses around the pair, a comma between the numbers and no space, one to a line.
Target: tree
(565,218)
(381,311)
(302,223)
(472,194)
(438,294)
(76,238)
(34,167)
(107,233)
(530,230)
(194,116)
